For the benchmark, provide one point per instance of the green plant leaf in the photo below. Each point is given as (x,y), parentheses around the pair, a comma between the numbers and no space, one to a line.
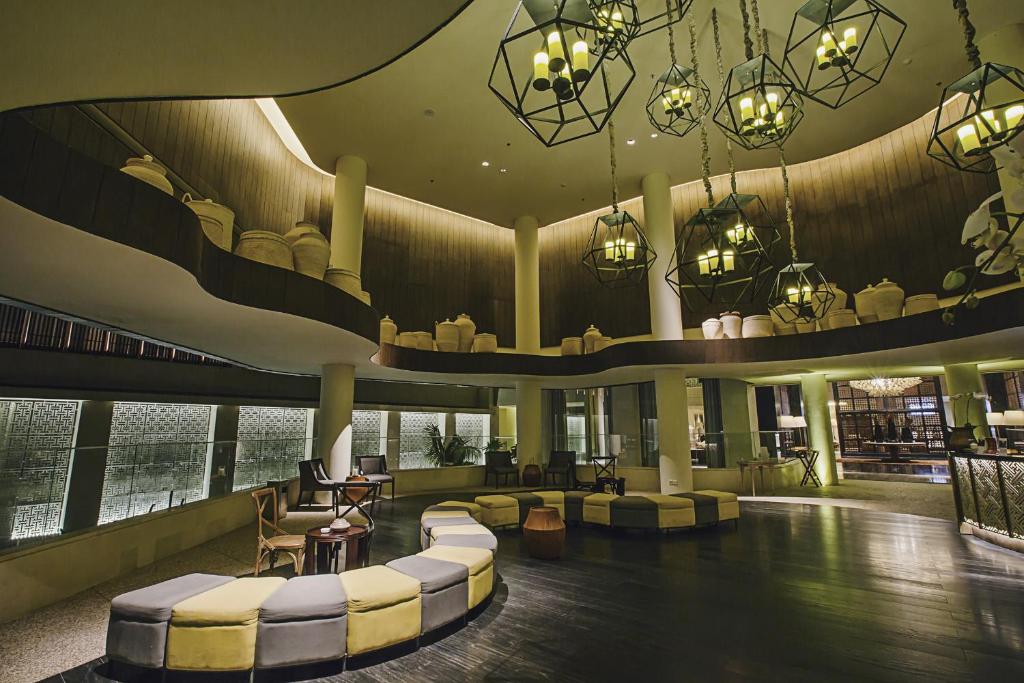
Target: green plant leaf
(955,279)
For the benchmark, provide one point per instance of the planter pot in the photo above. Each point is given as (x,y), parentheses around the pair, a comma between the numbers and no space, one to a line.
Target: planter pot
(485,343)
(805,328)
(388,330)
(590,338)
(841,317)
(841,297)
(888,300)
(865,319)
(782,329)
(572,346)
(149,172)
(544,533)
(467,329)
(864,300)
(311,252)
(712,328)
(532,476)
(602,343)
(424,341)
(301,228)
(407,340)
(920,303)
(757,326)
(218,220)
(344,280)
(447,334)
(732,325)
(266,247)
(779,323)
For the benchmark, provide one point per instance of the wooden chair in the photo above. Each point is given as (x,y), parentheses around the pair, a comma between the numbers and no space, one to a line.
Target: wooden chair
(375,468)
(499,463)
(312,479)
(561,464)
(279,540)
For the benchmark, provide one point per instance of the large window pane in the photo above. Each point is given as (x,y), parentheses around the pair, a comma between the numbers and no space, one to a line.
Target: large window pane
(414,441)
(271,442)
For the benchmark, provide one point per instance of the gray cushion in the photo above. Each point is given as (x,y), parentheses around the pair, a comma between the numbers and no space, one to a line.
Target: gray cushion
(487,541)
(306,597)
(154,603)
(379,477)
(370,465)
(433,575)
(431,522)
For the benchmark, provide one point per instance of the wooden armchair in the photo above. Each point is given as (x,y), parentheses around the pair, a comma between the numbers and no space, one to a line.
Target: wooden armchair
(279,540)
(561,464)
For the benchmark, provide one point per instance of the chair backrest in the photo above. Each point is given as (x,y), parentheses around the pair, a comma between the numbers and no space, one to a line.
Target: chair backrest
(561,460)
(498,459)
(372,464)
(604,466)
(307,474)
(263,497)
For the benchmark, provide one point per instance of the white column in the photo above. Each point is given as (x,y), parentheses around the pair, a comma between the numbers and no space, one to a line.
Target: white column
(334,444)
(738,420)
(676,468)
(528,417)
(1005,45)
(347,222)
(527,286)
(666,313)
(815,393)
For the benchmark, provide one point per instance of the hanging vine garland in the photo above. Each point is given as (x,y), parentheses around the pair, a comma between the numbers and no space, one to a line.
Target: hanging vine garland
(721,83)
(705,153)
(680,100)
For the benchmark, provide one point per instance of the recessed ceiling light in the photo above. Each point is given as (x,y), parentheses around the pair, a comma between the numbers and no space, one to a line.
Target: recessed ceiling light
(654,135)
(502,170)
(631,141)
(485,164)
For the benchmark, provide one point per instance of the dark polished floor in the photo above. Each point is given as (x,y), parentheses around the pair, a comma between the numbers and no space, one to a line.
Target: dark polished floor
(797,593)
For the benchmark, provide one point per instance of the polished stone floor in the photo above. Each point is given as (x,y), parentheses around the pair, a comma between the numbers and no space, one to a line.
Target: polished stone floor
(797,593)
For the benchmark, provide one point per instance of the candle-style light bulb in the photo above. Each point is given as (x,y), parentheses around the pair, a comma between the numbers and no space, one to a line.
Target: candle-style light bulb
(969,139)
(704,264)
(540,71)
(773,102)
(850,40)
(989,128)
(630,251)
(793,294)
(747,110)
(829,43)
(580,61)
(609,251)
(556,53)
(1013,116)
(823,61)
(728,261)
(688,98)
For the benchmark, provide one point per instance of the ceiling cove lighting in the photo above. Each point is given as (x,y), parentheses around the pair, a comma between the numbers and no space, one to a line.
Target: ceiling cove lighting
(679,98)
(980,112)
(885,386)
(558,71)
(618,253)
(839,49)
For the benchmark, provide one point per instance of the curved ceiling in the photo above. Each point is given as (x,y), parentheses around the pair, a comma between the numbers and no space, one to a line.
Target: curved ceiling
(437,158)
(68,50)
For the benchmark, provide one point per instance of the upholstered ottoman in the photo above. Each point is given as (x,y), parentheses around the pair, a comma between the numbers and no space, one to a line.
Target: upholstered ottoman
(574,506)
(597,508)
(498,510)
(137,632)
(711,507)
(473,509)
(216,630)
(439,534)
(673,512)
(428,524)
(444,588)
(486,541)
(633,512)
(383,608)
(526,500)
(554,499)
(302,622)
(728,504)
(479,563)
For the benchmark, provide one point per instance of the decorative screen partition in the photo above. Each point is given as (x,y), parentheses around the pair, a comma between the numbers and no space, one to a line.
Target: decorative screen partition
(989,494)
(414,442)
(271,442)
(475,428)
(158,457)
(36,438)
(864,419)
(367,438)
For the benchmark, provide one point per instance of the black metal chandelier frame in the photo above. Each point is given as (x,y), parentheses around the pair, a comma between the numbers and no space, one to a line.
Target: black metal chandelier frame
(677,104)
(756,126)
(660,20)
(618,24)
(618,253)
(803,65)
(801,294)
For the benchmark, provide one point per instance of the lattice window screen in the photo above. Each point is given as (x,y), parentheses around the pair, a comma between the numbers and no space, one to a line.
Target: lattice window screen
(475,428)
(366,433)
(414,442)
(271,442)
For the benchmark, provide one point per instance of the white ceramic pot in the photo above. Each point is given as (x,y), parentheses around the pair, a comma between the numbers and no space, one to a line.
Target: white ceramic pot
(344,280)
(757,326)
(467,330)
(805,328)
(841,297)
(301,228)
(888,300)
(602,343)
(218,220)
(150,172)
(712,328)
(407,339)
(864,300)
(782,329)
(388,330)
(920,303)
(424,341)
(363,296)
(266,247)
(732,325)
(572,346)
(780,324)
(841,317)
(447,334)
(485,343)
(590,338)
(311,252)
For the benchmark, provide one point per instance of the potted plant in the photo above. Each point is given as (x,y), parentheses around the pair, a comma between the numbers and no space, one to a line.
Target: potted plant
(448,452)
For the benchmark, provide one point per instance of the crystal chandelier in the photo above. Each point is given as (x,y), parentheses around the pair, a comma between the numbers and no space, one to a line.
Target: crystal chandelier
(680,98)
(980,112)
(839,49)
(885,386)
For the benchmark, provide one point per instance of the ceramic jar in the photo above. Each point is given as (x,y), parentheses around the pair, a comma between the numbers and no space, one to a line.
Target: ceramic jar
(732,325)
(343,279)
(888,300)
(841,297)
(424,341)
(388,330)
(805,327)
(149,172)
(544,533)
(572,346)
(447,335)
(407,340)
(712,328)
(602,343)
(311,252)
(590,338)
(467,328)
(757,326)
(485,343)
(841,317)
(218,220)
(864,300)
(780,325)
(920,303)
(266,247)
(782,329)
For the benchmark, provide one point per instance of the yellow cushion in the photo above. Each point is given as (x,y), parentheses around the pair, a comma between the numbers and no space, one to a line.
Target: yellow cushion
(671,502)
(602,499)
(474,559)
(496,501)
(462,529)
(383,627)
(237,602)
(474,509)
(480,586)
(551,497)
(378,586)
(722,496)
(211,648)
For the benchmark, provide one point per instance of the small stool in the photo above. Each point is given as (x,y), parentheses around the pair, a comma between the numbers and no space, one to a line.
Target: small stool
(444,588)
(498,510)
(597,508)
(383,608)
(479,563)
(573,502)
(473,509)
(304,622)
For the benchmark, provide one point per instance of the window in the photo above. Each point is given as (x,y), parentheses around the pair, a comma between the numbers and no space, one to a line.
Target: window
(271,442)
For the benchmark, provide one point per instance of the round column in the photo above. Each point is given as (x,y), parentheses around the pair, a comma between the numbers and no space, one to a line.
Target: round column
(334,442)
(666,313)
(347,223)
(527,285)
(675,467)
(964,378)
(528,417)
(819,425)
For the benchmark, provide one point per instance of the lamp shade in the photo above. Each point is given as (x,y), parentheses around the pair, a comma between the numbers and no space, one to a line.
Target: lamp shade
(995,419)
(786,422)
(1013,418)
(799,421)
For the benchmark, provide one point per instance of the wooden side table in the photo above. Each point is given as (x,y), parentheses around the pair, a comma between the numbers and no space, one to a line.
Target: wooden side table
(323,549)
(544,533)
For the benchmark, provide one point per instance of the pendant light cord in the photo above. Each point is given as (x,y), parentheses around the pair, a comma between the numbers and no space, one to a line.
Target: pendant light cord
(611,154)
(705,153)
(671,33)
(757,27)
(789,204)
(973,53)
(747,45)
(721,81)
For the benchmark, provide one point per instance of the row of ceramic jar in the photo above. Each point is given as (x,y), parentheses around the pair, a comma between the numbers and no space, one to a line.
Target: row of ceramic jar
(460,336)
(591,342)
(732,326)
